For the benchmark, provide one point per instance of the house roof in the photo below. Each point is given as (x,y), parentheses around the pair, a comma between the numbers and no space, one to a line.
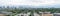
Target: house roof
(57,13)
(44,12)
(4,12)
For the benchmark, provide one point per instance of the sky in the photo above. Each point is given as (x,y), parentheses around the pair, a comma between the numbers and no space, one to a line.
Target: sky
(29,2)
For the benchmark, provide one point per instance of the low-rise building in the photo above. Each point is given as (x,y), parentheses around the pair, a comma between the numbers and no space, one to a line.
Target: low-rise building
(56,14)
(45,14)
(3,13)
(35,14)
(23,14)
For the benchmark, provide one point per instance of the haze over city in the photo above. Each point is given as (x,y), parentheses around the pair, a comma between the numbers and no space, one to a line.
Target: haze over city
(31,3)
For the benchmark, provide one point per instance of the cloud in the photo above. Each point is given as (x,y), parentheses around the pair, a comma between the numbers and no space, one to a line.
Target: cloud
(28,2)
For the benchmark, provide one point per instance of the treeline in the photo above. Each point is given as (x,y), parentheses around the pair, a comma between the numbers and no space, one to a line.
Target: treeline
(15,10)
(32,10)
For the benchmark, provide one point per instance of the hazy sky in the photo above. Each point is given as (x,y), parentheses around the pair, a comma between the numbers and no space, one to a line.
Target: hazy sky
(29,2)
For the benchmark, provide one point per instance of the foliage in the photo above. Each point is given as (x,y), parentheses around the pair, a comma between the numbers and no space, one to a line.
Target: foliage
(32,10)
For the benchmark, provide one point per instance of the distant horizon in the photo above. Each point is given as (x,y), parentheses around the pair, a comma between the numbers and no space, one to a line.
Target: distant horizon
(55,6)
(29,2)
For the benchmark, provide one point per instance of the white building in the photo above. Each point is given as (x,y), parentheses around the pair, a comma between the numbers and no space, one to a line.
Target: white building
(23,14)
(35,14)
(56,14)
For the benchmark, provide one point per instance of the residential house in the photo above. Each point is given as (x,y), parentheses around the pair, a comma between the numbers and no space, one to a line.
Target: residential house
(3,13)
(23,14)
(45,14)
(56,14)
(35,14)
